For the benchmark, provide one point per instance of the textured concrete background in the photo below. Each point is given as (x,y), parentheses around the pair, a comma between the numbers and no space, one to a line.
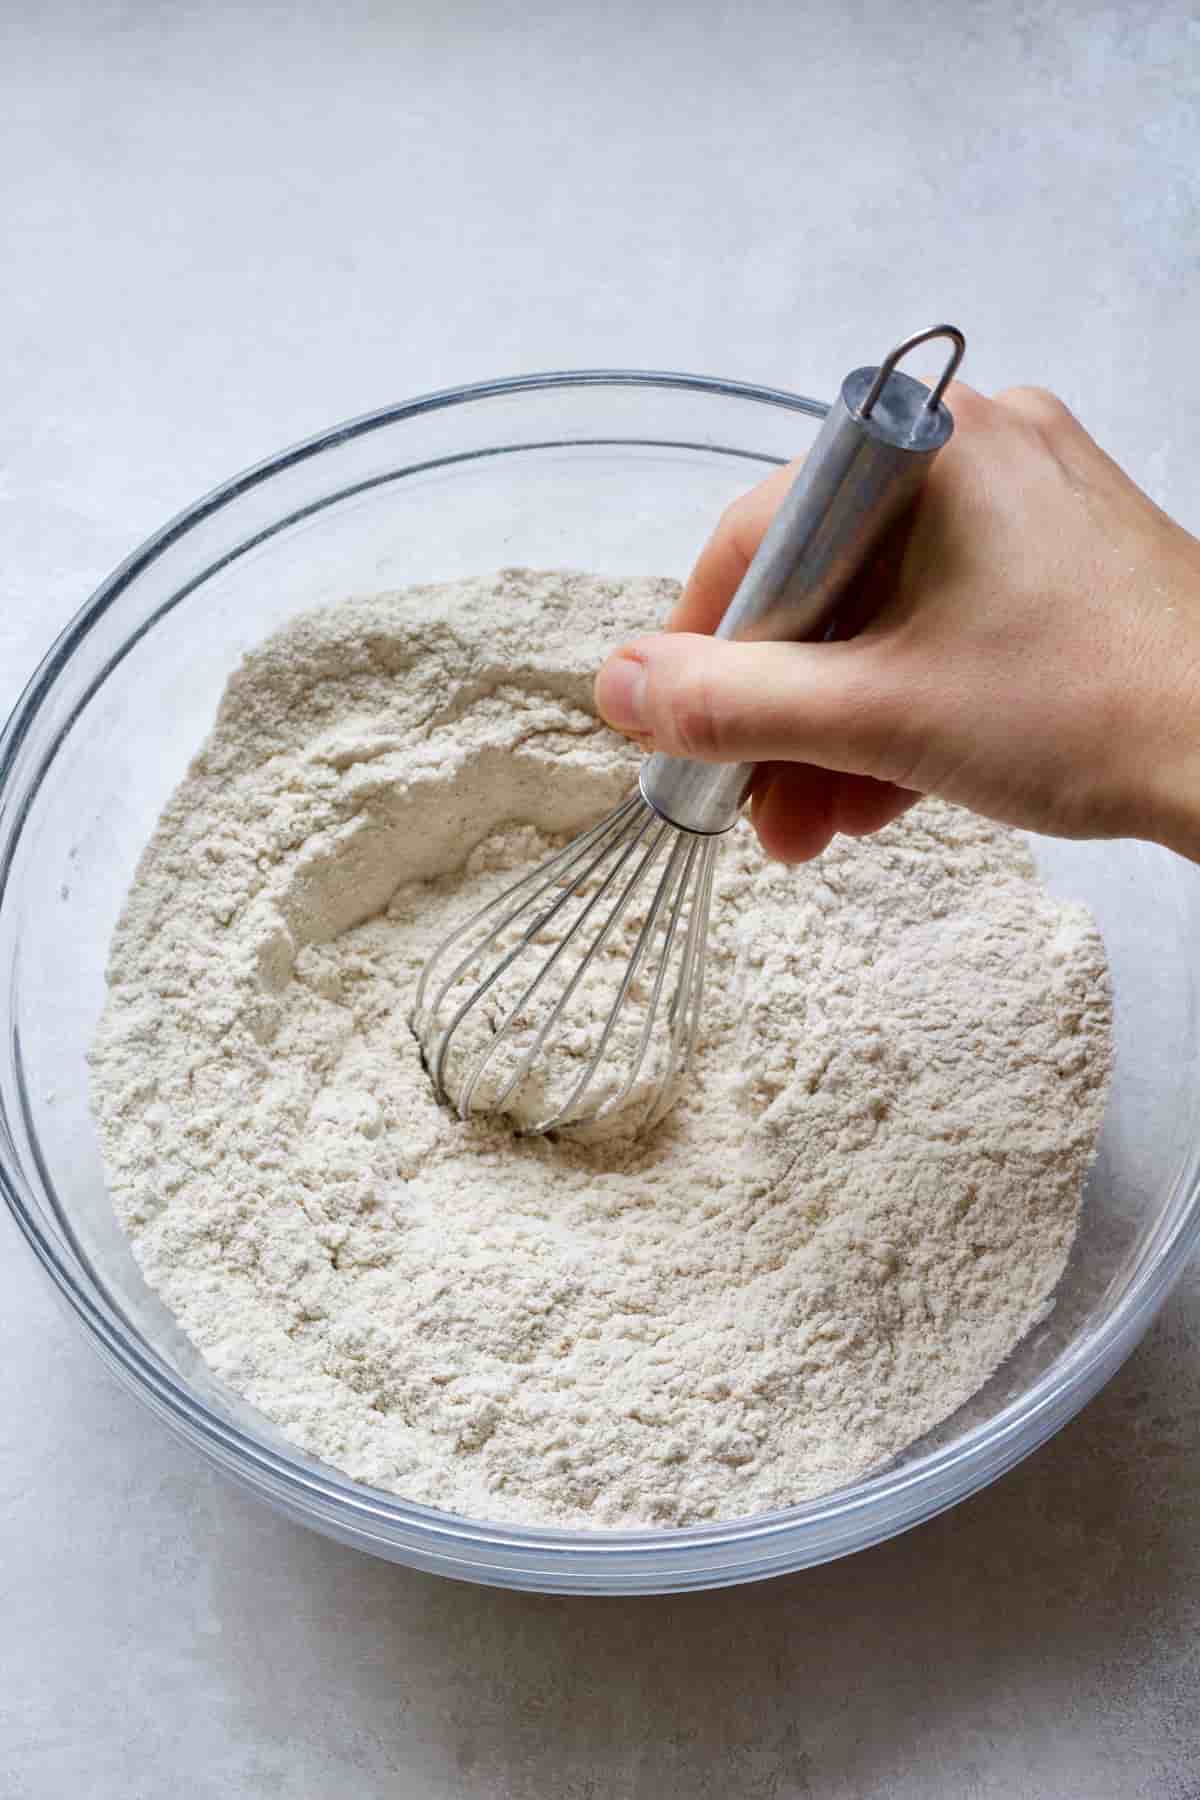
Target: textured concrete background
(227,227)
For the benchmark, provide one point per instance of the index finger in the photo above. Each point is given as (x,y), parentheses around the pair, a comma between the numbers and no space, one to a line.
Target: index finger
(728,554)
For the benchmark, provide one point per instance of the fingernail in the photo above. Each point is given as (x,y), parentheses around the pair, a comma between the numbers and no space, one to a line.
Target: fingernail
(621,693)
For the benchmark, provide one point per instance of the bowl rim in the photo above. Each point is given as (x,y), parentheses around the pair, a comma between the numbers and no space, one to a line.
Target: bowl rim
(926,1485)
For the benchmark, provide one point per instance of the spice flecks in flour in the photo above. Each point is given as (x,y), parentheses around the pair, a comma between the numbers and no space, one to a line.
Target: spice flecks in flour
(861,1204)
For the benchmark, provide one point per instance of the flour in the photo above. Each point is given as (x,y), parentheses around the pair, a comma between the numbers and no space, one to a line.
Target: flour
(861,1203)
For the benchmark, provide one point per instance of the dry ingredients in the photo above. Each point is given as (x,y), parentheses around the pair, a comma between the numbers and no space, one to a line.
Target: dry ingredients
(863,1202)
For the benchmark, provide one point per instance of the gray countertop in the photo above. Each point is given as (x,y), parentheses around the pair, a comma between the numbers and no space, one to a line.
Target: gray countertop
(225,228)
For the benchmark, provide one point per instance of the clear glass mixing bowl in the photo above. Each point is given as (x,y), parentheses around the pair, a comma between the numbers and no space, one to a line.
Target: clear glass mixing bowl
(614,472)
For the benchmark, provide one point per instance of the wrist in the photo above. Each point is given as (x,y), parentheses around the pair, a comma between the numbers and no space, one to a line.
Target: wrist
(1162,743)
(1167,793)
(1172,807)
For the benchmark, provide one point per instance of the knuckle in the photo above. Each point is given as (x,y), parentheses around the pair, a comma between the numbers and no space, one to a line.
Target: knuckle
(736,519)
(747,517)
(879,707)
(968,407)
(1038,406)
(693,719)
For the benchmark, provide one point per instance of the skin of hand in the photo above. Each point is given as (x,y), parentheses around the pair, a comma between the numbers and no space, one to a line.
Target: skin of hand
(1025,643)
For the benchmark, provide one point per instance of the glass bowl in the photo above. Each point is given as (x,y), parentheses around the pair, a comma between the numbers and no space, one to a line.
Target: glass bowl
(615,472)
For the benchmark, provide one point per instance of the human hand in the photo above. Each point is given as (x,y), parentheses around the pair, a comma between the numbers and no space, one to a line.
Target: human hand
(1030,648)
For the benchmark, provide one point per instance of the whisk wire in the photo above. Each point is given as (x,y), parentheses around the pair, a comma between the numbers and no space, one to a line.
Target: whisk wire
(553,872)
(597,944)
(560,1005)
(598,876)
(650,925)
(684,853)
(686,1002)
(546,875)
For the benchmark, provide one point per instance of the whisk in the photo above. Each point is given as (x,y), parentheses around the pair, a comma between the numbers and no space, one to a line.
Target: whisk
(638,885)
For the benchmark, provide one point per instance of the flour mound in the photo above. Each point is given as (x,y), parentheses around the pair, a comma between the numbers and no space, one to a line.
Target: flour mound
(860,1204)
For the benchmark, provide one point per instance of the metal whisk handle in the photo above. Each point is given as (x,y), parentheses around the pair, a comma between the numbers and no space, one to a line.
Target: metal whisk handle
(871,455)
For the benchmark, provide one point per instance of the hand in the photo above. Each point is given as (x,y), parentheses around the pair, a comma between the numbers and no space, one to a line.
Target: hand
(1029,648)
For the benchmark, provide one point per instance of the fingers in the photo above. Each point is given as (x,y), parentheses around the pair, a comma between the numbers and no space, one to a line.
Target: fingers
(819,720)
(838,705)
(832,733)
(728,554)
(791,809)
(741,528)
(796,809)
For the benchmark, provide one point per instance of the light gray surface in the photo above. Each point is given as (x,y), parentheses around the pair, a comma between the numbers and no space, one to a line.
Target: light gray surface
(226,228)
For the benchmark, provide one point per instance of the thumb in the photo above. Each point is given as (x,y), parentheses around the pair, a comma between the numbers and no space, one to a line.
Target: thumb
(835,704)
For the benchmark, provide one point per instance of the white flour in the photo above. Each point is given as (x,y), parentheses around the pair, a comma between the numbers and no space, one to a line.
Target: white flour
(862,1203)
